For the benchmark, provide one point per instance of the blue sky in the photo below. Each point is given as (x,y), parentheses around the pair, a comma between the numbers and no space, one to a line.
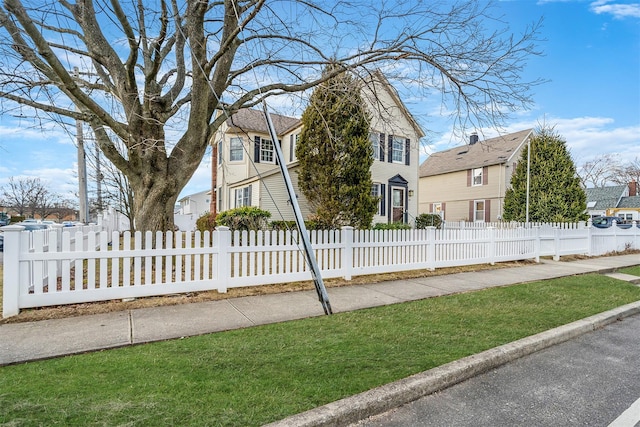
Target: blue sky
(591,59)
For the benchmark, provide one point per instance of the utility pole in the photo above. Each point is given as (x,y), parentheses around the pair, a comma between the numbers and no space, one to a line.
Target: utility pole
(302,229)
(99,178)
(82,167)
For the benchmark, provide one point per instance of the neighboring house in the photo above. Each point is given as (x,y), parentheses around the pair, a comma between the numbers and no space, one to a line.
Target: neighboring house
(247,173)
(468,183)
(194,204)
(619,200)
(190,208)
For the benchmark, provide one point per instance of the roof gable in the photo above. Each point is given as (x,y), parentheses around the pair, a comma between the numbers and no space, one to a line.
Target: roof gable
(489,152)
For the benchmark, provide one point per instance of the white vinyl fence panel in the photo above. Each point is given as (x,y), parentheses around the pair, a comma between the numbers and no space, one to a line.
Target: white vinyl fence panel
(52,267)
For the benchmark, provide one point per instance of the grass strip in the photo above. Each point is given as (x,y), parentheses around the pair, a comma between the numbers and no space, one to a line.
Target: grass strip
(635,271)
(257,375)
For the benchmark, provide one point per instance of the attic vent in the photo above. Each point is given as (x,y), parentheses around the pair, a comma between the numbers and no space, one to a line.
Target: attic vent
(463,152)
(502,157)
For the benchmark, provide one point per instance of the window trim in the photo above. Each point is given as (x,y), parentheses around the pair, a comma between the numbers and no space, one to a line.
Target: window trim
(476,211)
(474,177)
(264,152)
(238,149)
(401,142)
(374,138)
(242,197)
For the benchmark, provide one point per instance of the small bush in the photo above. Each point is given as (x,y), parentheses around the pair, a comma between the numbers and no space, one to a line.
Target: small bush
(283,225)
(428,220)
(391,226)
(244,218)
(207,221)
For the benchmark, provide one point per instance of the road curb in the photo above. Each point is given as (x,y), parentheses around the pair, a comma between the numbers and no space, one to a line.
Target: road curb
(384,398)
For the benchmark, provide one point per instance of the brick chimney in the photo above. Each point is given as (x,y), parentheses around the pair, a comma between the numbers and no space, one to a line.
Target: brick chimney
(633,189)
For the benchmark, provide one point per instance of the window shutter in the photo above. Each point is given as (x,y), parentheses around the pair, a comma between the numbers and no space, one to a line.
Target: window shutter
(471,211)
(487,210)
(469,171)
(430,207)
(256,149)
(291,148)
(381,148)
(443,210)
(407,152)
(383,200)
(485,175)
(390,149)
(249,196)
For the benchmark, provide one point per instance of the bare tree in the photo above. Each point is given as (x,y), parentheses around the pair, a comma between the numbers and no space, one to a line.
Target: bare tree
(29,196)
(599,172)
(115,190)
(154,69)
(627,172)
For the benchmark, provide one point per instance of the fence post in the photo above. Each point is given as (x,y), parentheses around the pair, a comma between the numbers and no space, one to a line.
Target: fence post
(347,252)
(11,275)
(431,248)
(556,243)
(590,237)
(492,245)
(536,247)
(224,257)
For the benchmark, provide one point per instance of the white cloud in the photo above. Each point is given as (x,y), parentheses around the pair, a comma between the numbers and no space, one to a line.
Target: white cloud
(618,10)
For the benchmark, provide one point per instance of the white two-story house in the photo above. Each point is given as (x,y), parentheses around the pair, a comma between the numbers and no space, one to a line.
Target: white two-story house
(247,173)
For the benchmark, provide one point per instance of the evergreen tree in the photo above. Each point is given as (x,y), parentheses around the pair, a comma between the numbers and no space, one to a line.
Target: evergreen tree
(555,193)
(335,155)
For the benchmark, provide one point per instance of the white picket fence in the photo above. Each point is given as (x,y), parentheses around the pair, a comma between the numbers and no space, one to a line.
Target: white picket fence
(49,268)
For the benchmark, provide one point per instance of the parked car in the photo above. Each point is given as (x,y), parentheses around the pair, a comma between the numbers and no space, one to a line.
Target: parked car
(607,221)
(28,226)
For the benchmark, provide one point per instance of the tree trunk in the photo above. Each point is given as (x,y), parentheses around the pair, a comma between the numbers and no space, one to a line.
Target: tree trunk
(154,206)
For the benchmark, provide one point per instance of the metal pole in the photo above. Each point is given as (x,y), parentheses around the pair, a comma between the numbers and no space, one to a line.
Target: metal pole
(82,168)
(311,258)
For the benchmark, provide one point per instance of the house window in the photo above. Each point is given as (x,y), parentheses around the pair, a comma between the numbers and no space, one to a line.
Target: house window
(398,150)
(266,151)
(375,144)
(478,210)
(236,150)
(437,209)
(477,176)
(293,143)
(376,191)
(243,197)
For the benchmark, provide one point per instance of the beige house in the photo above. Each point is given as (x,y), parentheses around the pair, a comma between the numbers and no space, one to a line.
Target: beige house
(468,183)
(247,173)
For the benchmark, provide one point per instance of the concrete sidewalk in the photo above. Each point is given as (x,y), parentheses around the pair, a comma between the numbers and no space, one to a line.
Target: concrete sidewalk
(21,342)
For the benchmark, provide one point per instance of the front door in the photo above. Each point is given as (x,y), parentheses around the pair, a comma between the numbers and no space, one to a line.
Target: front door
(397,197)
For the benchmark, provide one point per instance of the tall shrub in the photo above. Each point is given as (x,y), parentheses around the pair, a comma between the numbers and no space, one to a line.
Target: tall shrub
(335,155)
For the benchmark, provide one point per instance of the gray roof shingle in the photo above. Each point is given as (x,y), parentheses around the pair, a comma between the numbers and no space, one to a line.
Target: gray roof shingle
(253,120)
(489,152)
(605,197)
(631,202)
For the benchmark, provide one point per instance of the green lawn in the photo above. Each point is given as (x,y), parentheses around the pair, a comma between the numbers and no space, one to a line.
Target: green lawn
(631,270)
(257,375)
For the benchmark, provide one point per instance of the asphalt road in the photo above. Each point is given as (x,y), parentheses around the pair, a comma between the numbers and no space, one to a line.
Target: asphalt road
(589,381)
